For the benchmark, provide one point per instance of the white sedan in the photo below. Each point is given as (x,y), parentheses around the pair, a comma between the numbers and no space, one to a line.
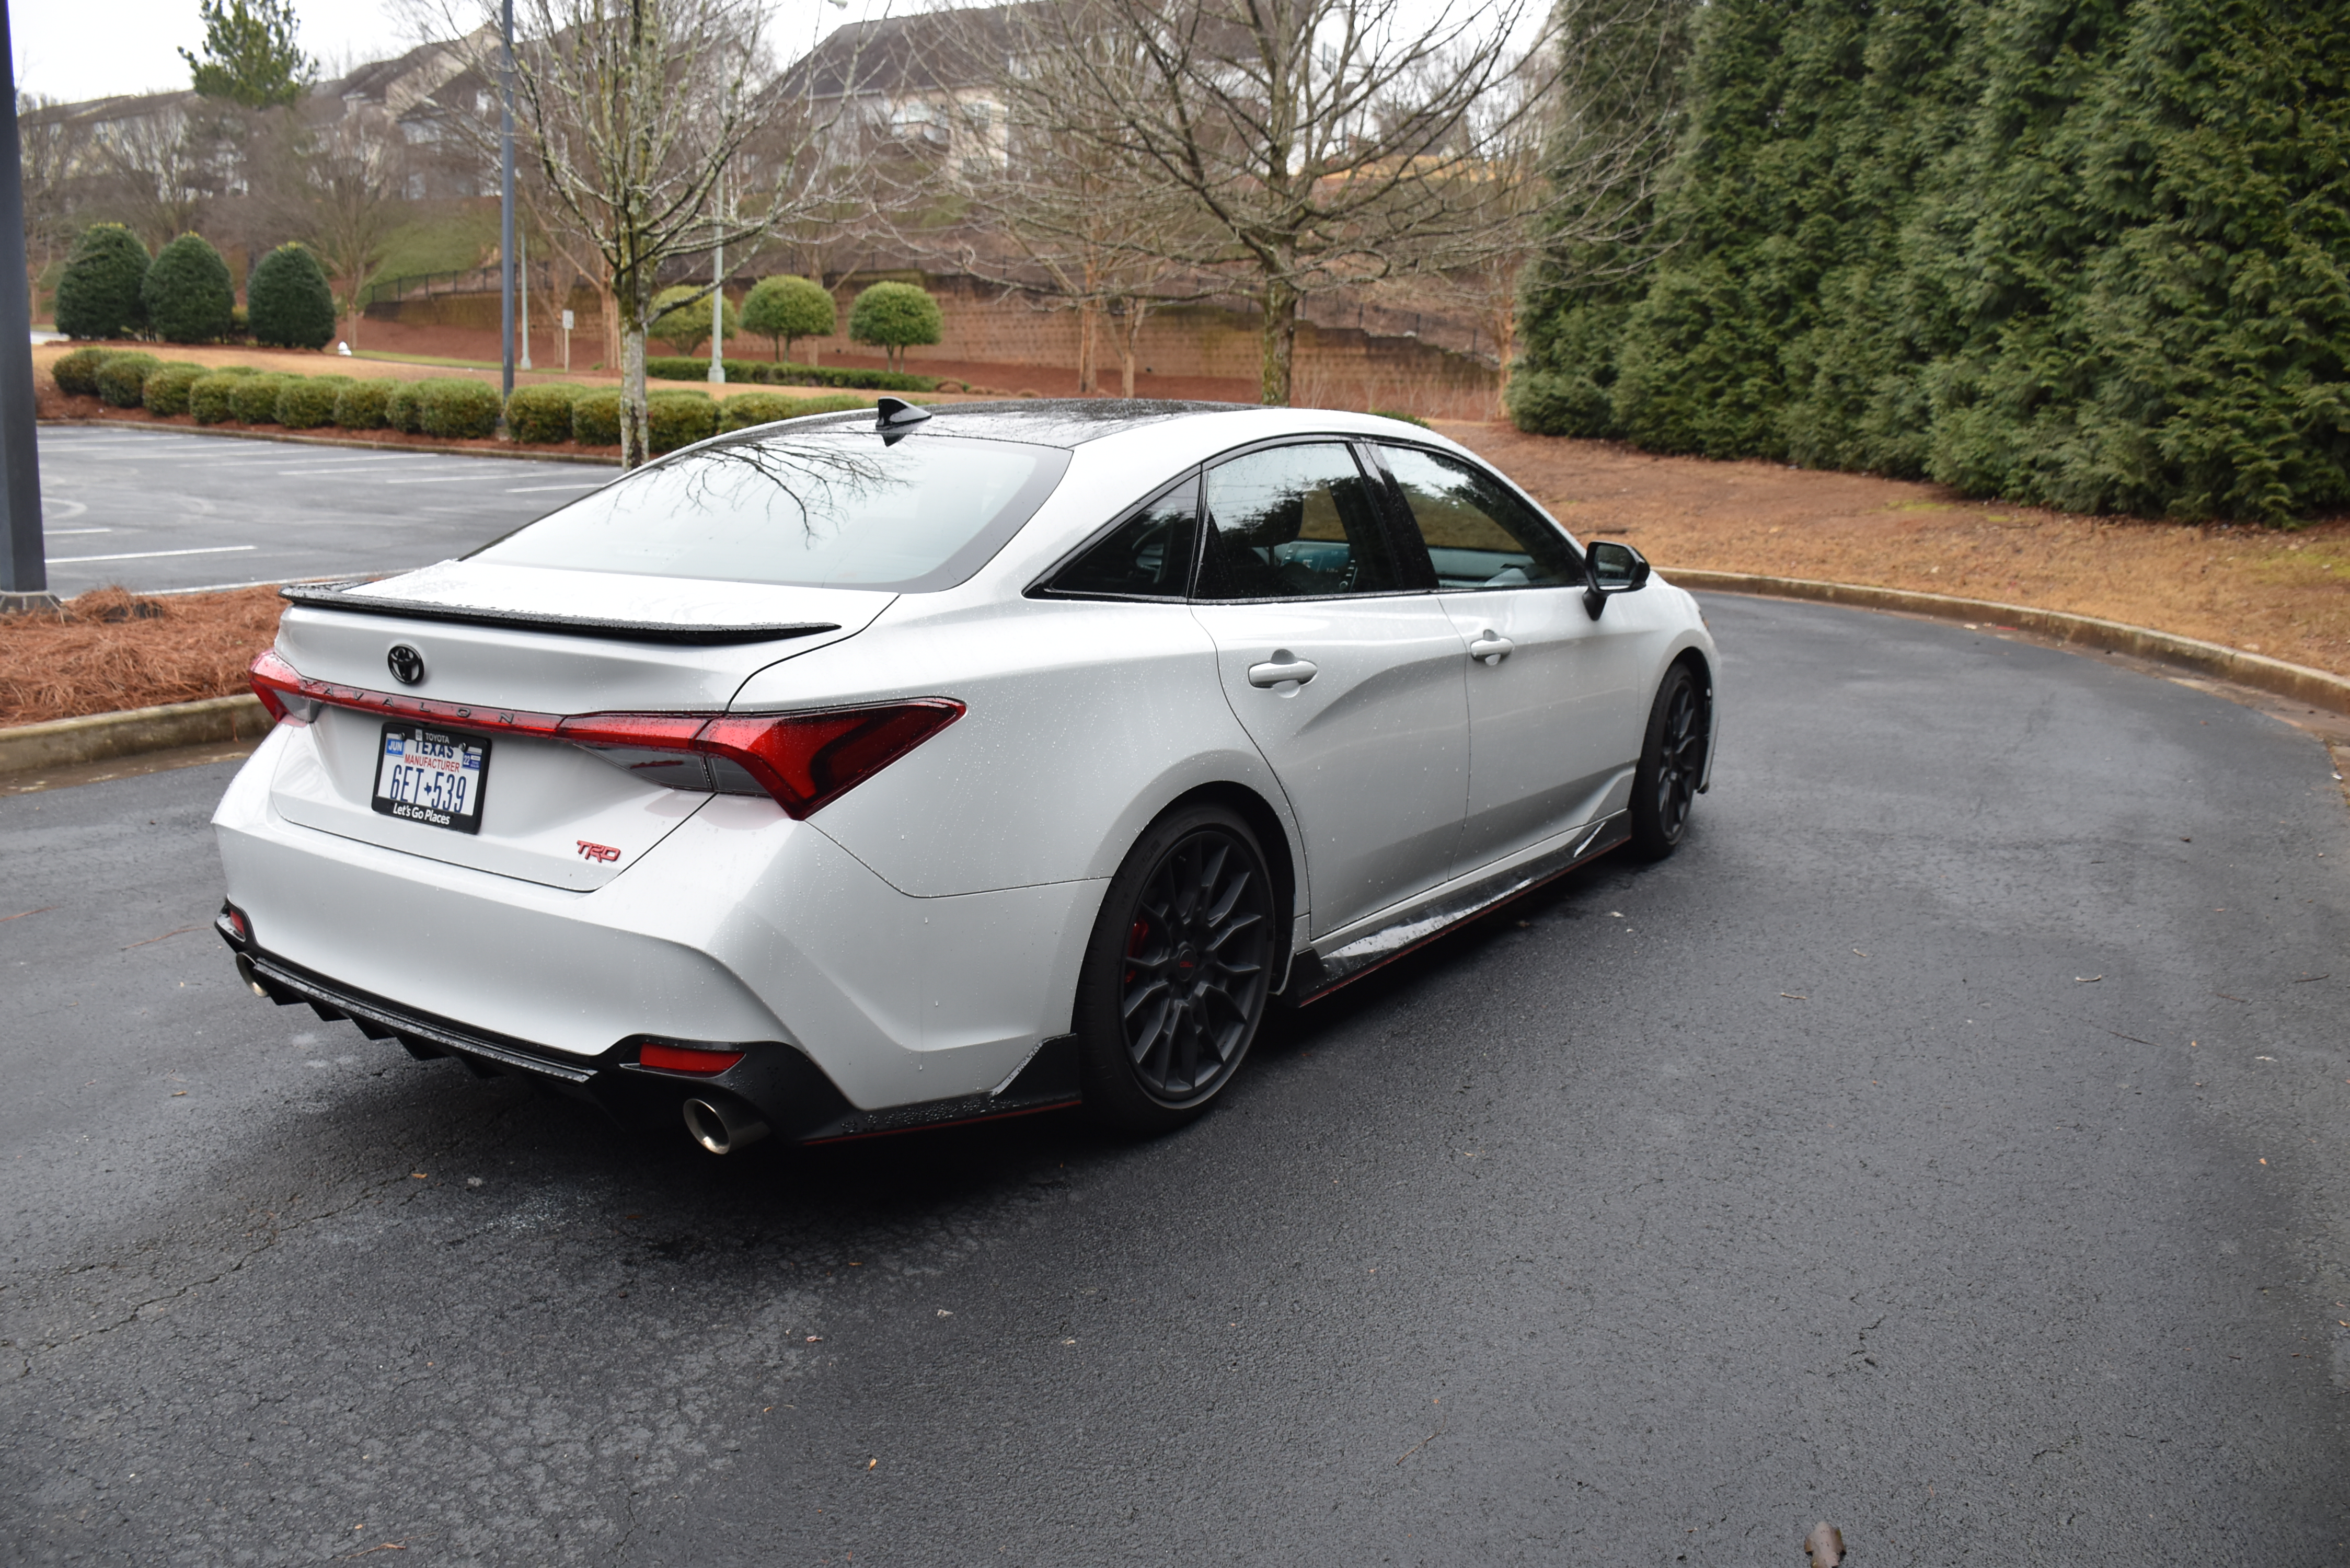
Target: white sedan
(874,770)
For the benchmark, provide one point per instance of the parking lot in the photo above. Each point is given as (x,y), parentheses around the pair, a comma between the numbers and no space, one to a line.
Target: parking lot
(165,510)
(1949,1142)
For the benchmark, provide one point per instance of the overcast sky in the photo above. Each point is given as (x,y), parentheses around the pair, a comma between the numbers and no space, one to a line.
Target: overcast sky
(73,49)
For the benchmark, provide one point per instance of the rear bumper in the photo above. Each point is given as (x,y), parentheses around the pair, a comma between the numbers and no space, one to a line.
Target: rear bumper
(744,927)
(774,1082)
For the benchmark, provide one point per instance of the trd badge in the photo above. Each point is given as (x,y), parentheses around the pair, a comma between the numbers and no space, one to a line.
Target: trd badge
(406,664)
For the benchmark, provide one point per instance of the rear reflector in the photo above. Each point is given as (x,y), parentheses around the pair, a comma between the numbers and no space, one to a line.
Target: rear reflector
(684,1059)
(804,760)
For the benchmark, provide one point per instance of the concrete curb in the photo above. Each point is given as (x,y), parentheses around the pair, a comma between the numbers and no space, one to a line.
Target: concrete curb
(2317,688)
(99,737)
(524,453)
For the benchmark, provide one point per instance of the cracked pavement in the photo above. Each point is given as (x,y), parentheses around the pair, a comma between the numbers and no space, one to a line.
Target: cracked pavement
(1949,1143)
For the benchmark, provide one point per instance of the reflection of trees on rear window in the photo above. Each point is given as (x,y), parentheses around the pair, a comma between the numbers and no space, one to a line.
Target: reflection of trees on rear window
(845,509)
(1479,535)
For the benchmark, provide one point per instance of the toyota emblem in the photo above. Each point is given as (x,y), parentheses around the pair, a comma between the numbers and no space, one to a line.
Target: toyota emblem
(406,664)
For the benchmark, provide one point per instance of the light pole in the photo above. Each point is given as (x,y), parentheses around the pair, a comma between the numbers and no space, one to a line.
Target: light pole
(505,204)
(718,278)
(24,569)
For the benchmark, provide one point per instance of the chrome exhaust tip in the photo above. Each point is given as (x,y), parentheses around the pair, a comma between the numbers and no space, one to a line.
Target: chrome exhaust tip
(722,1129)
(252,981)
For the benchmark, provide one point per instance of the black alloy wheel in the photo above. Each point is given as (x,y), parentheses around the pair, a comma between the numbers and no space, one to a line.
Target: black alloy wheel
(1176,978)
(1672,763)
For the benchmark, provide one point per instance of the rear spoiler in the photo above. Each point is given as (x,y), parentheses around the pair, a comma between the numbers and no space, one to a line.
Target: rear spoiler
(343,597)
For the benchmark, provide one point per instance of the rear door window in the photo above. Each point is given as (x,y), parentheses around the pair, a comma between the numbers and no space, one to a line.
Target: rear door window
(1479,532)
(1294,522)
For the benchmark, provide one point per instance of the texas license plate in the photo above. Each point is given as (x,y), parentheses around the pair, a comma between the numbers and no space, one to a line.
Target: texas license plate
(432,776)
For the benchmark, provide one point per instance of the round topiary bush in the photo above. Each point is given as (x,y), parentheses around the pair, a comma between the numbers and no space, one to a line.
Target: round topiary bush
(896,316)
(745,410)
(676,419)
(401,411)
(782,309)
(165,392)
(99,293)
(212,400)
(254,400)
(542,413)
(680,318)
(76,373)
(456,409)
(308,402)
(359,406)
(595,419)
(122,380)
(187,294)
(288,301)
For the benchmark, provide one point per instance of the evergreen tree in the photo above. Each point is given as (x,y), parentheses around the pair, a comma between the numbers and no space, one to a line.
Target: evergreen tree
(250,54)
(187,294)
(288,302)
(98,294)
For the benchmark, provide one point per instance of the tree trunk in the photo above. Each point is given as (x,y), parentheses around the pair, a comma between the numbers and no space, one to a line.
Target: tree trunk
(1280,341)
(1134,315)
(635,434)
(1089,315)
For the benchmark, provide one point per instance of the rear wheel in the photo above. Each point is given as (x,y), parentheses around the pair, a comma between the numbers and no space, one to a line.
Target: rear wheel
(1672,763)
(1174,984)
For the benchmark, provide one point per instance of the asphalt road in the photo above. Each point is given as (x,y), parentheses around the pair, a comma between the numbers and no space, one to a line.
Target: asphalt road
(1949,1143)
(157,509)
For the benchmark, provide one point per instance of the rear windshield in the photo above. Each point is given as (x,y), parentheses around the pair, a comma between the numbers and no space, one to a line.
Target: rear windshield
(829,509)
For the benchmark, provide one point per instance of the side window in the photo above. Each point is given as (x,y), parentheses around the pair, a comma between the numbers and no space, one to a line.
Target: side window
(1148,556)
(1294,522)
(1479,534)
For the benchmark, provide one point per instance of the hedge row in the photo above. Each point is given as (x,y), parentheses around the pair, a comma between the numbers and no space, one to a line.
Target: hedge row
(764,372)
(450,406)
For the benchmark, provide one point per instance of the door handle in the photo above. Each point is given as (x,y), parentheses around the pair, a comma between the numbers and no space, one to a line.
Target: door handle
(1284,665)
(1491,648)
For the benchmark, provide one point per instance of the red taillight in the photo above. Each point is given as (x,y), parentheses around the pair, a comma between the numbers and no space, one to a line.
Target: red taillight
(807,760)
(804,760)
(685,1058)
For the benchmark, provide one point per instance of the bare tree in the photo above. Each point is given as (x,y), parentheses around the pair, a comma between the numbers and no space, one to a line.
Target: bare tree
(353,203)
(156,175)
(1318,144)
(631,111)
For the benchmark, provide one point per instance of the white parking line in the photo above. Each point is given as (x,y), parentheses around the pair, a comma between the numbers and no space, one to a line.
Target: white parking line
(443,479)
(151,554)
(527,489)
(60,533)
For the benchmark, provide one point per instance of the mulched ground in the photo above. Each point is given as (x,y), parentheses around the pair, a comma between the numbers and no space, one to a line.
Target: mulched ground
(109,649)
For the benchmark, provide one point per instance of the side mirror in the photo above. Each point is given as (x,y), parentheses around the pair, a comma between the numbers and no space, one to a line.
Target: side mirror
(1611,568)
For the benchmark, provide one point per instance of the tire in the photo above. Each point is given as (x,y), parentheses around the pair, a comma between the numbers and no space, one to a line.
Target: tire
(1672,763)
(1174,989)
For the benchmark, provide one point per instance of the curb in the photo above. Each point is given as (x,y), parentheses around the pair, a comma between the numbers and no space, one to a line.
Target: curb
(523,454)
(99,737)
(2318,688)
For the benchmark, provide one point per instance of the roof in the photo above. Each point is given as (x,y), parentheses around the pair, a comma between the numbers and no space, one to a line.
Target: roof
(936,51)
(1041,421)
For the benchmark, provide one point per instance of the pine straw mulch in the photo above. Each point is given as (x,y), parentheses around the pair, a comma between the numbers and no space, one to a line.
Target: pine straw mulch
(109,649)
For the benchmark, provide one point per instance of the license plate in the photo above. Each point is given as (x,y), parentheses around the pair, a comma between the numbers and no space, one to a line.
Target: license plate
(432,776)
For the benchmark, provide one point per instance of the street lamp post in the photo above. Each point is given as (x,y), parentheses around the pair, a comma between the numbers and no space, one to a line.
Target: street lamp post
(717,280)
(505,204)
(24,568)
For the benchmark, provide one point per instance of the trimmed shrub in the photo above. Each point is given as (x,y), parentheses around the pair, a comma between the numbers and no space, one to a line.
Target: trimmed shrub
(542,414)
(308,402)
(288,302)
(676,419)
(99,293)
(122,380)
(595,419)
(1399,414)
(188,295)
(683,321)
(401,410)
(745,410)
(759,372)
(359,405)
(255,400)
(76,373)
(783,309)
(210,400)
(455,409)
(894,318)
(166,389)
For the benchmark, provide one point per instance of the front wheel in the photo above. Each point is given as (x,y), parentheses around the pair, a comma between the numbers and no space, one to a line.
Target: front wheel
(1672,763)
(1175,977)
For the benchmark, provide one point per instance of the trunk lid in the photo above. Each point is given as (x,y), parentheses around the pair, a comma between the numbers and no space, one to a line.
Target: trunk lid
(535,640)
